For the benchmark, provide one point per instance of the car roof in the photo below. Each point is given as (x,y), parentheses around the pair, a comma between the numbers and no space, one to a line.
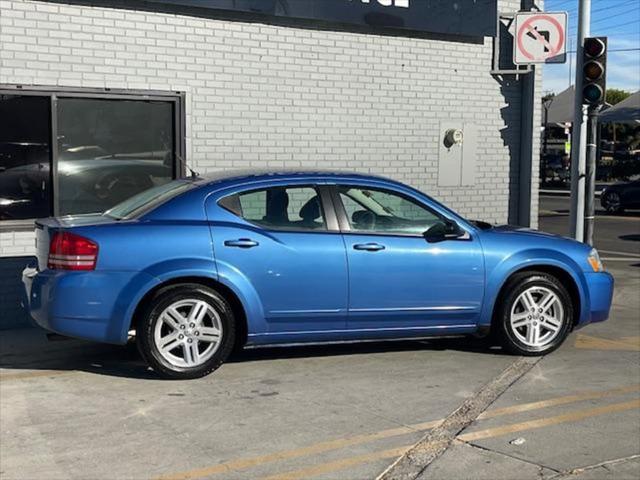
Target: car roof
(266,174)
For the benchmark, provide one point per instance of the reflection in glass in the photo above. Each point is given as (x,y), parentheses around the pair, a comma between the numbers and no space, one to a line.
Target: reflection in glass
(371,210)
(110,150)
(24,157)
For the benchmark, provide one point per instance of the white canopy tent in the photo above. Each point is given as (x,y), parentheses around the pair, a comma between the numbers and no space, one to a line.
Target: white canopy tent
(627,111)
(560,107)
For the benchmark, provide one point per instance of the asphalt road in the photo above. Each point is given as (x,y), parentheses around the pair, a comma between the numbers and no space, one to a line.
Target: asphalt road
(78,410)
(613,233)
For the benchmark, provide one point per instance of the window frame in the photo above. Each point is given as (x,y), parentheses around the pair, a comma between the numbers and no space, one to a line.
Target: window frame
(326,205)
(345,223)
(177,99)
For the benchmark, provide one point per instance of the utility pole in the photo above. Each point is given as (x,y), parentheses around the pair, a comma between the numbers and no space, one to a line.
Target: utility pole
(578,144)
(546,104)
(592,148)
(570,61)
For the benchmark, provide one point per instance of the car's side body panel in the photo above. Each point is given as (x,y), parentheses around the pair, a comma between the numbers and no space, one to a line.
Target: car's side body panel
(411,283)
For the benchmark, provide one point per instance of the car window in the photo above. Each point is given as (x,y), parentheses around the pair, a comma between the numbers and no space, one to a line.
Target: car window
(386,212)
(279,208)
(148,199)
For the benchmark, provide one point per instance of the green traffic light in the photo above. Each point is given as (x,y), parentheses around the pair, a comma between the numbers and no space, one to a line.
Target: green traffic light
(592,93)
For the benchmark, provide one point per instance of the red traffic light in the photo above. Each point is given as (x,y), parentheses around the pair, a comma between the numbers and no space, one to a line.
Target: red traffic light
(594,47)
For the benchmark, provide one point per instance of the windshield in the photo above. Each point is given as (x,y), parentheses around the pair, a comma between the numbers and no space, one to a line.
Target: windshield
(148,199)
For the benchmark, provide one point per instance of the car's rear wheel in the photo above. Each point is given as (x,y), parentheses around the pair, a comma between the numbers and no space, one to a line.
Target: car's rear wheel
(612,202)
(535,314)
(187,331)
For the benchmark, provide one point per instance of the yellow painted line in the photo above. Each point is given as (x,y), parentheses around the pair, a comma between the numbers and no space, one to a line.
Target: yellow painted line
(40,373)
(245,463)
(580,397)
(597,343)
(545,422)
(341,464)
(314,471)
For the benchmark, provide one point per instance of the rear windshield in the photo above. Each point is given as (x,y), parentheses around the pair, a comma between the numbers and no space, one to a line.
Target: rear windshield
(148,199)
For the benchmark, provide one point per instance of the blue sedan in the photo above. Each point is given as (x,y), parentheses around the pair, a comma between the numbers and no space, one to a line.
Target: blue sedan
(199,266)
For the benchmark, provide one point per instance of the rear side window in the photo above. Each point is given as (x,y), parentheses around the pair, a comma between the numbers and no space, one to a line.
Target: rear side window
(148,200)
(279,208)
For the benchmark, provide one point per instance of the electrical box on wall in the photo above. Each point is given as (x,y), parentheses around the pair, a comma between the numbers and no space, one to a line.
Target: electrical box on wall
(457,154)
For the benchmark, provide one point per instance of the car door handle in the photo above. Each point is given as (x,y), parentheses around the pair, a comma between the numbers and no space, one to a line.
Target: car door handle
(369,247)
(241,243)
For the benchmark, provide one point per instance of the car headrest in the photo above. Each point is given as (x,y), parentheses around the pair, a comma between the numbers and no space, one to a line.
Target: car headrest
(311,210)
(363,218)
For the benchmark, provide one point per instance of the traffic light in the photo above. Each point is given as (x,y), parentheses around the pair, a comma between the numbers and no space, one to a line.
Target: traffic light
(594,70)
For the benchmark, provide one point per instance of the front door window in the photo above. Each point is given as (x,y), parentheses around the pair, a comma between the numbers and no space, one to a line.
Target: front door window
(380,211)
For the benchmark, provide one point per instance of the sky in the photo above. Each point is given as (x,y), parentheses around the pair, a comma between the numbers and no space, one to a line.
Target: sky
(619,20)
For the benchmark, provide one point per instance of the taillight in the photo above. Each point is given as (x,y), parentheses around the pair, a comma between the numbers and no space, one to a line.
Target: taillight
(69,251)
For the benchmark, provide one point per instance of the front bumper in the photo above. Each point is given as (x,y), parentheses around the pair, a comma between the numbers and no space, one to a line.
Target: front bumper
(600,287)
(89,305)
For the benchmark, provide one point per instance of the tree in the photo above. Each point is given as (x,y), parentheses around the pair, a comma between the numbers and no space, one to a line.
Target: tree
(615,95)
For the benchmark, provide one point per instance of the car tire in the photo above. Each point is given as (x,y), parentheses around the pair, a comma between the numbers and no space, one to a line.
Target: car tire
(612,203)
(535,314)
(186,331)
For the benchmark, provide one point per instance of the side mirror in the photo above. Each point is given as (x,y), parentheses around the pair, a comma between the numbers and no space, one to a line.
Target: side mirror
(444,230)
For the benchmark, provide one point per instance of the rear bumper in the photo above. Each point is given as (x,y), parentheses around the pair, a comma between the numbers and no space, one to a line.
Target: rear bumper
(89,305)
(600,286)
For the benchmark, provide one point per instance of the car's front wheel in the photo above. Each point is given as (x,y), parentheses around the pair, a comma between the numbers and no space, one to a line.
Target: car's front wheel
(612,202)
(187,331)
(535,314)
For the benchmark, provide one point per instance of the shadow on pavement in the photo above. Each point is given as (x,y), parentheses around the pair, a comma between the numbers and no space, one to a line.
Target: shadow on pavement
(28,350)
(633,237)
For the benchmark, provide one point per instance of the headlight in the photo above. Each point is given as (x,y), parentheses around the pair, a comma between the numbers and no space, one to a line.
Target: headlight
(594,261)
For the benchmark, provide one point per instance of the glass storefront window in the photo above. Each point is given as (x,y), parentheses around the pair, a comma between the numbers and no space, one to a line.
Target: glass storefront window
(25,178)
(108,148)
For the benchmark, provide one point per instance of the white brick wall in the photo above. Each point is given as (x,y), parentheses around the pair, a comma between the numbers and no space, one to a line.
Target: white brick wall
(17,244)
(262,95)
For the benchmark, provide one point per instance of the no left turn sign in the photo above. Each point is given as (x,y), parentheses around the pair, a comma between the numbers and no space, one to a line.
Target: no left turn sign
(540,38)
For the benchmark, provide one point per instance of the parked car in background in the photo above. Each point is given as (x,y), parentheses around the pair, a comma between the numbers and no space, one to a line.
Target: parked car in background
(198,266)
(86,185)
(616,198)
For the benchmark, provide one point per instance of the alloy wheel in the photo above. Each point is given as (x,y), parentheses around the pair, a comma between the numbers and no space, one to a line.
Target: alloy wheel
(537,317)
(188,333)
(613,202)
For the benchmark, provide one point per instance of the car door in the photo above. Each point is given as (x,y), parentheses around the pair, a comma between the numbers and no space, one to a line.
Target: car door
(281,246)
(399,283)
